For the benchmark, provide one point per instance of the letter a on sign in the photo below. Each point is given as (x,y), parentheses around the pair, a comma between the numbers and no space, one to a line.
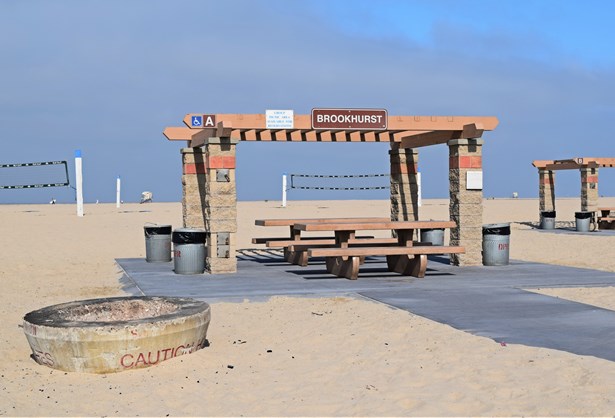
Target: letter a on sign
(209,121)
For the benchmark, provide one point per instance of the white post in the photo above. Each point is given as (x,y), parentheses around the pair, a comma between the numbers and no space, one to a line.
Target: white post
(419,193)
(79,182)
(117,192)
(284,190)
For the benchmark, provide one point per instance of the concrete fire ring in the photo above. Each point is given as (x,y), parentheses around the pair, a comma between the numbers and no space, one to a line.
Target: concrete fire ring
(115,334)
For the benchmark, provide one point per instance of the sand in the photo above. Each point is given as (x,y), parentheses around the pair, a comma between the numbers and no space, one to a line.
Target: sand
(290,356)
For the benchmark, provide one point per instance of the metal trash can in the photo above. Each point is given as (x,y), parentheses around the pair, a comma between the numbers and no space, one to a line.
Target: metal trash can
(547,220)
(157,243)
(435,236)
(189,250)
(496,244)
(583,220)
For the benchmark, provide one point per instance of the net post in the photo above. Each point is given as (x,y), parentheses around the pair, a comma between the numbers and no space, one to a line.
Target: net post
(284,190)
(118,187)
(79,182)
(419,193)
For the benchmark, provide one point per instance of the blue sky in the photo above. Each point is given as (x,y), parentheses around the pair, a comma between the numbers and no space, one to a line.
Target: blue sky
(107,76)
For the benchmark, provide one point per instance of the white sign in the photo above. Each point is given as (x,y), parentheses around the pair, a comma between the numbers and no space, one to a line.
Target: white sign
(474,180)
(279,119)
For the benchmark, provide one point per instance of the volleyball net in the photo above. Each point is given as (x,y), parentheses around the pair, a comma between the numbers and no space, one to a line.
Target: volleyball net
(34,175)
(339,181)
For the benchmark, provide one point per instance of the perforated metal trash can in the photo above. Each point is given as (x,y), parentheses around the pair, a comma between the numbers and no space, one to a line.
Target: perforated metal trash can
(496,244)
(157,243)
(435,236)
(583,220)
(189,250)
(547,220)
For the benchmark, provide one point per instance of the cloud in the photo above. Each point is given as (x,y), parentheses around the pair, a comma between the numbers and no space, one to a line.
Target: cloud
(107,77)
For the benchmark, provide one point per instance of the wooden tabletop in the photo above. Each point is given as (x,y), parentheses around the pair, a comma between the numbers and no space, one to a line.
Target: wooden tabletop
(372,225)
(289,222)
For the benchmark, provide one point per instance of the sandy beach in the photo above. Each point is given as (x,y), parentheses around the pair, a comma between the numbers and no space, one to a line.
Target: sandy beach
(292,356)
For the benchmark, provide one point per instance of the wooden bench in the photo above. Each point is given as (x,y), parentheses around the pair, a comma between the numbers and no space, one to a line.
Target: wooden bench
(345,262)
(405,256)
(606,220)
(298,252)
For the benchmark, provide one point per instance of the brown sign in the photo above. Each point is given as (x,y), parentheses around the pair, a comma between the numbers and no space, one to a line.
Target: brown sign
(359,119)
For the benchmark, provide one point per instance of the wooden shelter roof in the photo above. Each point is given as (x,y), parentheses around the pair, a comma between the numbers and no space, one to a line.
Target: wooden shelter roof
(406,131)
(574,163)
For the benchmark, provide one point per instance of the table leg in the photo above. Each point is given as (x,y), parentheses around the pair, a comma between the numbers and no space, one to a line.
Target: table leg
(403,264)
(348,268)
(299,258)
(404,237)
(295,234)
(342,238)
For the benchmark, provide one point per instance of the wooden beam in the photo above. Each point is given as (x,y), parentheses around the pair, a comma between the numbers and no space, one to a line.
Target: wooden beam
(441,123)
(472,130)
(429,138)
(395,123)
(201,135)
(605,162)
(177,133)
(574,163)
(568,165)
(541,163)
(411,139)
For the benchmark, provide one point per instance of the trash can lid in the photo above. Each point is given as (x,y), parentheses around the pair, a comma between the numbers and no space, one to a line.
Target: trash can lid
(432,229)
(496,229)
(157,229)
(548,213)
(189,236)
(583,214)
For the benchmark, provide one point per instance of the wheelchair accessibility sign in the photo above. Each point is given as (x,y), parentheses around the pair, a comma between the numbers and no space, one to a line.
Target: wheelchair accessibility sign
(197,121)
(202,121)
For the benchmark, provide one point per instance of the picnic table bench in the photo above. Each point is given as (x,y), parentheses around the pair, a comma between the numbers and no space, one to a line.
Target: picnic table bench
(606,220)
(405,256)
(295,245)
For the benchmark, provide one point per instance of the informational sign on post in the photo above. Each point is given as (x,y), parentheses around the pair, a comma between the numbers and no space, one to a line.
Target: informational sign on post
(474,180)
(279,119)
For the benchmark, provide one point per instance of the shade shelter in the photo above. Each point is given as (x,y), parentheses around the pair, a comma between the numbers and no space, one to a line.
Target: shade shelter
(588,168)
(209,192)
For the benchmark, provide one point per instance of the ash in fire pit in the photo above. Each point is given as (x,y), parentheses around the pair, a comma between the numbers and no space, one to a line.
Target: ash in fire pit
(119,310)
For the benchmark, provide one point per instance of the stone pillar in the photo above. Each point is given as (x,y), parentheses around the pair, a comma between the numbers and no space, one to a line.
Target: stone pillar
(466,200)
(589,189)
(210,200)
(404,185)
(546,191)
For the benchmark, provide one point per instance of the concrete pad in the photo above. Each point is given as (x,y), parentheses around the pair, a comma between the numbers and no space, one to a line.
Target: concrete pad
(485,301)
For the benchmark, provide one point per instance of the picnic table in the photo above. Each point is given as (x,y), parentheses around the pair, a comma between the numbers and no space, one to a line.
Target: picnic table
(405,256)
(606,220)
(295,244)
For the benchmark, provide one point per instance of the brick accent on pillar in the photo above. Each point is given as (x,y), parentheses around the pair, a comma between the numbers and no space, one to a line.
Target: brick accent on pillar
(546,191)
(209,200)
(589,189)
(466,206)
(404,184)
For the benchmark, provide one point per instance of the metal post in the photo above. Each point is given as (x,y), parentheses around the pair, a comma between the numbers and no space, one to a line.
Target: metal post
(284,190)
(117,192)
(79,182)
(419,191)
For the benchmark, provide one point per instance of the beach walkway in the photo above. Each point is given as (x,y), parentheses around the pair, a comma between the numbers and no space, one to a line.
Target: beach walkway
(493,302)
